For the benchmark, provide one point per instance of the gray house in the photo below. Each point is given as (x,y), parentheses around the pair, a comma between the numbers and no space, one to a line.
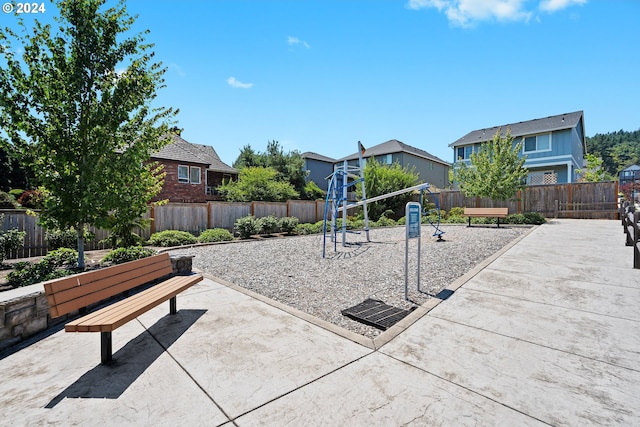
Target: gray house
(430,168)
(554,146)
(319,167)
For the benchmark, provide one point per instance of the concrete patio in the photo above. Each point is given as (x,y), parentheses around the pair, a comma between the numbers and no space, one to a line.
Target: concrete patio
(545,333)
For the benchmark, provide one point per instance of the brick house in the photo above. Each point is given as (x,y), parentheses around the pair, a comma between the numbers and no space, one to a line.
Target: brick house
(193,171)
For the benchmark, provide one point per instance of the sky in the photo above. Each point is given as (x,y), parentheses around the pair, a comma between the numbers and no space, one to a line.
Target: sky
(321,75)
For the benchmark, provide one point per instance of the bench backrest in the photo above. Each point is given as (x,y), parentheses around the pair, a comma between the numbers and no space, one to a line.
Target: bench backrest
(71,293)
(486,211)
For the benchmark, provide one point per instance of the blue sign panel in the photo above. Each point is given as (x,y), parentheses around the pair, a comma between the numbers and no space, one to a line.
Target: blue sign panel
(413,211)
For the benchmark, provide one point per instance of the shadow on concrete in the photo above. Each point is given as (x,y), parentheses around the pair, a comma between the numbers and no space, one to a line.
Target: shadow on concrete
(110,381)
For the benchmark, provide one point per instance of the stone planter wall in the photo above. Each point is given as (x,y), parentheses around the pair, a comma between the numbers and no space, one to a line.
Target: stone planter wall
(24,311)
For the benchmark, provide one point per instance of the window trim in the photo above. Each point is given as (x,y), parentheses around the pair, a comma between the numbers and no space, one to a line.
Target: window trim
(186,179)
(191,170)
(524,145)
(467,153)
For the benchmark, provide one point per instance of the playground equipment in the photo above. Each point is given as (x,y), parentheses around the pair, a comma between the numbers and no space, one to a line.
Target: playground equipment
(336,201)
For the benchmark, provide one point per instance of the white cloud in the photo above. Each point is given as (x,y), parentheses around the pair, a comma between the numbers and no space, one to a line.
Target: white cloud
(465,13)
(555,5)
(291,41)
(236,83)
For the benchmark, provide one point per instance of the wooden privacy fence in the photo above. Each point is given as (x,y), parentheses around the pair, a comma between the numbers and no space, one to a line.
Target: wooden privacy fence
(585,200)
(581,200)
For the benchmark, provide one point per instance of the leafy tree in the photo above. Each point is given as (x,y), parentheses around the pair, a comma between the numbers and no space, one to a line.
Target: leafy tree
(594,172)
(288,166)
(76,108)
(618,150)
(495,171)
(258,184)
(383,179)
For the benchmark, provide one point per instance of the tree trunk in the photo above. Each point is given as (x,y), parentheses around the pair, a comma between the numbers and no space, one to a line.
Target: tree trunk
(80,231)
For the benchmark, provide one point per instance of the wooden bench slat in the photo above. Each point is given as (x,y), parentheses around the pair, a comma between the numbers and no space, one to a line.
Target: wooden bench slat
(486,212)
(112,317)
(87,288)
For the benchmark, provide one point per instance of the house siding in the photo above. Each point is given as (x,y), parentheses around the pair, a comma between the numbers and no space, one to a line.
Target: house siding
(318,171)
(179,192)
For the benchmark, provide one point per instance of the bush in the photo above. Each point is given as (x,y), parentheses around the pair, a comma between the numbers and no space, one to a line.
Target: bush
(288,224)
(10,240)
(33,199)
(57,239)
(246,226)
(215,235)
(7,201)
(267,225)
(457,211)
(534,218)
(62,256)
(313,192)
(384,222)
(132,253)
(26,273)
(168,238)
(307,228)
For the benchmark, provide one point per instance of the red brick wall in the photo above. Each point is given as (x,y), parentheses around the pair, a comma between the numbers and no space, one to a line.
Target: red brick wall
(180,192)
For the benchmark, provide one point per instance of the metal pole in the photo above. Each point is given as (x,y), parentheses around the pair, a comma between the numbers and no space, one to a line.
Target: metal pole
(364,193)
(344,203)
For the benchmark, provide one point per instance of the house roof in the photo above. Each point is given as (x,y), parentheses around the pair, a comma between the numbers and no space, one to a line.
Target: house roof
(631,168)
(315,156)
(181,150)
(394,146)
(530,127)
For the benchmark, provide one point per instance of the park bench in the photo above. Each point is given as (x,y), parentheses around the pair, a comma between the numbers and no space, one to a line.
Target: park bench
(486,213)
(69,294)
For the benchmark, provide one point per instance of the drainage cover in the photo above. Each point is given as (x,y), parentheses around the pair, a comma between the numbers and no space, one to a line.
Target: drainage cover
(376,313)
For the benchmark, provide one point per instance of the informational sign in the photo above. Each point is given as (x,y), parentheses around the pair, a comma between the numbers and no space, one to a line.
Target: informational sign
(413,219)
(413,212)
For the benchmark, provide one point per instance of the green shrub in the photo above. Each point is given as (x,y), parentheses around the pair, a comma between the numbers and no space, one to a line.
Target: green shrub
(307,228)
(288,224)
(402,220)
(457,211)
(132,253)
(33,199)
(246,226)
(61,257)
(267,225)
(534,218)
(168,238)
(383,221)
(26,273)
(57,239)
(10,240)
(215,235)
(7,201)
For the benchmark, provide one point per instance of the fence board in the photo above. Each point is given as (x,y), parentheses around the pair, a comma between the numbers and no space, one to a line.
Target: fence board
(224,214)
(578,200)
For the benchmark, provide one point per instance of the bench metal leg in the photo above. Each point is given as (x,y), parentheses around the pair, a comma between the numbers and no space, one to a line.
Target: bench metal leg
(173,306)
(498,222)
(469,222)
(105,346)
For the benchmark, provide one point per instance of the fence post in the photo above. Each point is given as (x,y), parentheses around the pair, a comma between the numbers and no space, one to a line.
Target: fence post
(152,216)
(569,200)
(209,222)
(555,208)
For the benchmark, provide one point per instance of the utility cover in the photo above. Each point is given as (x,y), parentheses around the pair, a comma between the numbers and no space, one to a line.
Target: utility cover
(376,313)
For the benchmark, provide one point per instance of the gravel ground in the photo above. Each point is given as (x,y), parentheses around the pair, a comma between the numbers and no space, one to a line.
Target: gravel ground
(291,269)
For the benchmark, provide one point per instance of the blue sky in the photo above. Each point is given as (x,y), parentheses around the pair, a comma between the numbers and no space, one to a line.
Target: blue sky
(320,75)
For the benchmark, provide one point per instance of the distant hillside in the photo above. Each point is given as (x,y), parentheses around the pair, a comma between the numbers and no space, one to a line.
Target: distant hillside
(617,149)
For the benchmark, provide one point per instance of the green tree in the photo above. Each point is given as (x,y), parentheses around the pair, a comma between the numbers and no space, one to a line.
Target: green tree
(618,150)
(258,184)
(383,179)
(495,171)
(289,166)
(594,172)
(78,100)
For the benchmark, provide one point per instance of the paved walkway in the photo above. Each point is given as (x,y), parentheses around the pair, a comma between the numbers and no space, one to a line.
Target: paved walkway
(547,333)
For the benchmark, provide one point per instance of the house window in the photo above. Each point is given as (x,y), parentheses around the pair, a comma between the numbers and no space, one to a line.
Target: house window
(464,152)
(195,175)
(183,174)
(188,174)
(536,143)
(387,159)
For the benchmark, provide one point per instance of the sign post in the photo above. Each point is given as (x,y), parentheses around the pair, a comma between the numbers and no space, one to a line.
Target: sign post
(413,212)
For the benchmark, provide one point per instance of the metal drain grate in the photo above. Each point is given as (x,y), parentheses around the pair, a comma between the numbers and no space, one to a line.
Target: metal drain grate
(376,313)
